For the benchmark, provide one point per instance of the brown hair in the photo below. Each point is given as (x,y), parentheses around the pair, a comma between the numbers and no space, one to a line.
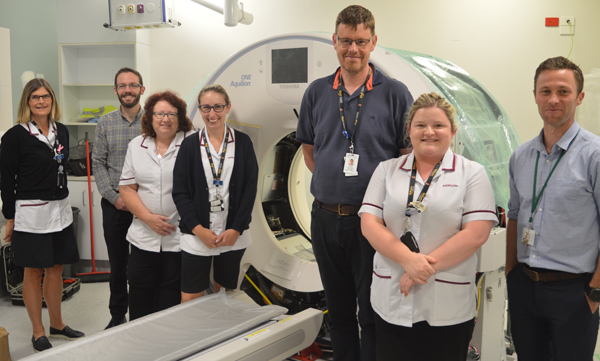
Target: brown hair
(355,15)
(216,88)
(129,70)
(24,113)
(185,124)
(559,63)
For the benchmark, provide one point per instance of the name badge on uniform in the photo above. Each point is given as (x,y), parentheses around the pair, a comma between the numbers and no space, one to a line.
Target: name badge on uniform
(351,165)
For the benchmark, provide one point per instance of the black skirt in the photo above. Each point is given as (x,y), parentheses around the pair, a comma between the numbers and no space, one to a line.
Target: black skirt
(44,250)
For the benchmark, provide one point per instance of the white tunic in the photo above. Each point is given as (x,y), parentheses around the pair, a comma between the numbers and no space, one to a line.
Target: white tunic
(459,193)
(38,216)
(218,220)
(154,177)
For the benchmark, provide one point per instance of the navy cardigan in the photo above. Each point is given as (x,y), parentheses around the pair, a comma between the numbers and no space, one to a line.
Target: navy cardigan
(190,189)
(28,168)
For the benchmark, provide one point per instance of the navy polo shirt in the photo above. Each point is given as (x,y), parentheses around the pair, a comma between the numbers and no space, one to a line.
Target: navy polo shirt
(379,133)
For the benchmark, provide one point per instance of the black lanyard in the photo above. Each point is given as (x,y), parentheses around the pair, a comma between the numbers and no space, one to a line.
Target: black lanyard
(360,101)
(56,148)
(411,189)
(216,175)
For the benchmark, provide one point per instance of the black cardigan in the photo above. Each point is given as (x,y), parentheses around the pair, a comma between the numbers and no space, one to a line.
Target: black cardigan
(28,168)
(190,189)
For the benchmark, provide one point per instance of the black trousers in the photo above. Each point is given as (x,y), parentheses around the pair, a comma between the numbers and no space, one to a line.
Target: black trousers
(115,224)
(345,260)
(551,320)
(423,342)
(154,281)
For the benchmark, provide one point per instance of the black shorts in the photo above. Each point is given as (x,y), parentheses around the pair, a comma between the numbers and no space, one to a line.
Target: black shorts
(45,250)
(195,270)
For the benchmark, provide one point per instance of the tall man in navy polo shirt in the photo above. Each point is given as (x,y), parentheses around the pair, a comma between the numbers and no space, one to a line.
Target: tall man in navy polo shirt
(349,122)
(553,233)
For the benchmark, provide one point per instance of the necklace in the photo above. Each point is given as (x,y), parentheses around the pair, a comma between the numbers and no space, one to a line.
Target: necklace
(160,153)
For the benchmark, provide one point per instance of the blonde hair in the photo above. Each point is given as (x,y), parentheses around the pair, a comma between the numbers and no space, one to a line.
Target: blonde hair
(24,112)
(432,100)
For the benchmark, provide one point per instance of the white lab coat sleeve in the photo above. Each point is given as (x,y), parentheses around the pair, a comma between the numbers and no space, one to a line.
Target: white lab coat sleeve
(128,172)
(479,203)
(375,194)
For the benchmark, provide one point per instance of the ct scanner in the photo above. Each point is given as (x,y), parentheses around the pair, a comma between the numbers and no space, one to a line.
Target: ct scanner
(266,82)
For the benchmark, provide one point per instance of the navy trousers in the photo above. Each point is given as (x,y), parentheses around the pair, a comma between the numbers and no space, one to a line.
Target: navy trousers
(154,281)
(115,224)
(551,320)
(345,260)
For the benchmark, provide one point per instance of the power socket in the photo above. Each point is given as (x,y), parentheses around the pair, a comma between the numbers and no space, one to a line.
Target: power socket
(565,21)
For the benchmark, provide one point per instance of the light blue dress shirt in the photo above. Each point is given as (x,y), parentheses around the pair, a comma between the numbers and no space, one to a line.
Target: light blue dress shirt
(566,219)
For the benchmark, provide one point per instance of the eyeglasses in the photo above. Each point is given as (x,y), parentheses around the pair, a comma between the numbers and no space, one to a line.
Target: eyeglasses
(360,43)
(217,107)
(132,86)
(44,97)
(160,115)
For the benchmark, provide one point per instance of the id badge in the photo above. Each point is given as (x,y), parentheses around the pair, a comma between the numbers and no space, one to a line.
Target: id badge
(61,180)
(216,205)
(528,237)
(351,165)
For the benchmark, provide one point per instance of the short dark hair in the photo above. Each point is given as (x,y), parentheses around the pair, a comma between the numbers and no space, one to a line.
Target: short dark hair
(185,124)
(355,15)
(559,63)
(129,70)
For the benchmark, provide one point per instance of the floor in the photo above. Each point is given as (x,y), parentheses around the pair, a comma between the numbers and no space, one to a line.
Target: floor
(86,311)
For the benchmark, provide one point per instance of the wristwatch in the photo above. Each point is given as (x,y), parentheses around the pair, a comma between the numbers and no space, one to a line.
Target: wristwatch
(593,293)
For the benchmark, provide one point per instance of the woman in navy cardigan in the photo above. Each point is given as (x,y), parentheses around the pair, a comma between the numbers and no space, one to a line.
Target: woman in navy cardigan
(214,188)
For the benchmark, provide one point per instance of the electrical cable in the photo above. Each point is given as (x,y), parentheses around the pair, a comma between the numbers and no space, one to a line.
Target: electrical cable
(258,289)
(570,32)
(479,294)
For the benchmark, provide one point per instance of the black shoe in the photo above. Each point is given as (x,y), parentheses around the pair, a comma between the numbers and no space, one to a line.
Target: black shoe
(67,333)
(41,344)
(116,321)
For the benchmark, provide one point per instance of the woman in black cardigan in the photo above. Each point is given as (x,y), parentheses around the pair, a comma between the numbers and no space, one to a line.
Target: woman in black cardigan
(214,188)
(35,203)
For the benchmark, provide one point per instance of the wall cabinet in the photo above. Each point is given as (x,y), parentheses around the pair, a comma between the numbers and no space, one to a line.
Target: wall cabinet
(86,78)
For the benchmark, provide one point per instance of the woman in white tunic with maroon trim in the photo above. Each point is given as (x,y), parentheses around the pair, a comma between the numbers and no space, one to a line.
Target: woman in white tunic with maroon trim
(441,205)
(154,267)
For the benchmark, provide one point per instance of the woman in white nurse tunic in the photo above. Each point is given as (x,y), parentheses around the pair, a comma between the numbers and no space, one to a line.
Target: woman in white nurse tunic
(154,267)
(441,205)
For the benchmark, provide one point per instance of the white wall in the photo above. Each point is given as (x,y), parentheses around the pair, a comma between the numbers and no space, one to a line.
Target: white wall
(499,42)
(6,116)
(32,25)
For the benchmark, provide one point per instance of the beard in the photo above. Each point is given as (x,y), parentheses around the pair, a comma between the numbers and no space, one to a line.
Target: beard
(135,101)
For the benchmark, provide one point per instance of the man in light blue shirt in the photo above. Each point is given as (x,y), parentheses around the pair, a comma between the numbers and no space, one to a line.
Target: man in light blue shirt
(553,234)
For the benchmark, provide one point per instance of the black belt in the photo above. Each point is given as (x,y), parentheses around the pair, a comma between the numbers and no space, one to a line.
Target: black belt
(550,276)
(341,209)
